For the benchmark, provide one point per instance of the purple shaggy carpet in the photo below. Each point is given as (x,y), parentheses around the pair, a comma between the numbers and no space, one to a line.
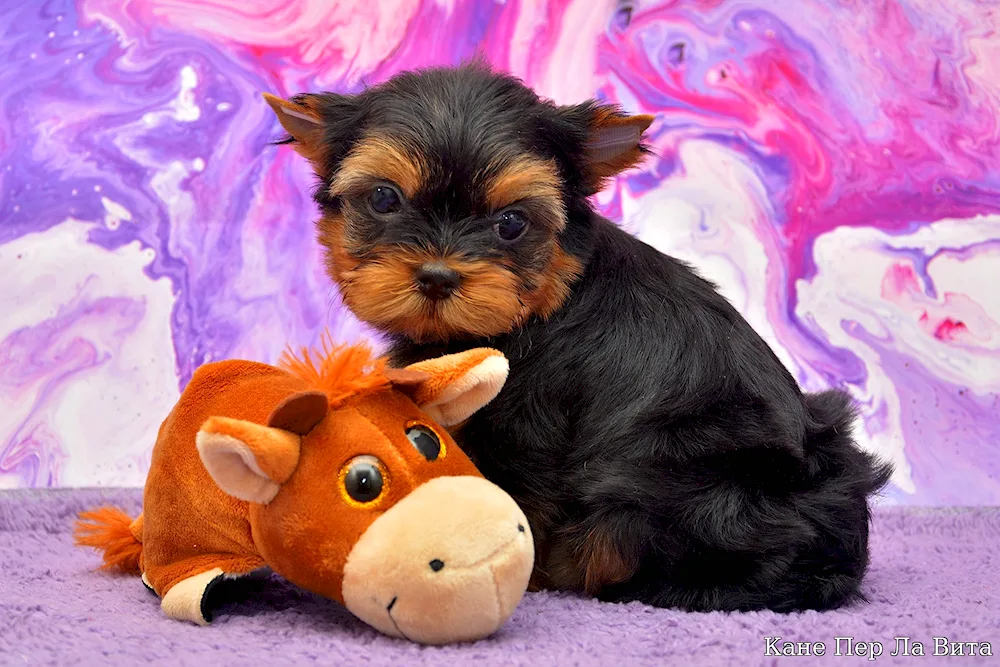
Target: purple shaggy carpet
(934,574)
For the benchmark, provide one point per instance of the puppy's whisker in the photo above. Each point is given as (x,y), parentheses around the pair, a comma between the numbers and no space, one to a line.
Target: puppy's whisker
(331,300)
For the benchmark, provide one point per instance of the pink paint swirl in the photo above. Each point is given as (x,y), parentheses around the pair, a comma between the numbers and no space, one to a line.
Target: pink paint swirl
(832,166)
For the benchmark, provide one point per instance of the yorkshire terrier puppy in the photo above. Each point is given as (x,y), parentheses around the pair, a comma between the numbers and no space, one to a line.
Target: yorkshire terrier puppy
(659,448)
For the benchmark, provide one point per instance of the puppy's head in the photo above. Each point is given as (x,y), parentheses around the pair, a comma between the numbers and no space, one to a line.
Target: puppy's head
(444,196)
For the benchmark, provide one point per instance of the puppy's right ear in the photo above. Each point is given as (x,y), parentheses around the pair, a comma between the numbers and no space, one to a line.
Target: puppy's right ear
(300,119)
(314,124)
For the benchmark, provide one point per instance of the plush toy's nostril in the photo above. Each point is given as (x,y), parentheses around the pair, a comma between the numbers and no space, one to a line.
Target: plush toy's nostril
(437,564)
(520,528)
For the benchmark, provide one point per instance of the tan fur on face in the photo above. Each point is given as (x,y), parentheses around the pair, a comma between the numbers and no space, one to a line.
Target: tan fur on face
(383,293)
(332,237)
(380,158)
(554,283)
(493,297)
(491,300)
(529,178)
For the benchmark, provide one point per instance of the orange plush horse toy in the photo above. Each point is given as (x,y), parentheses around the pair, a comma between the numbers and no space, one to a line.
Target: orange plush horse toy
(336,473)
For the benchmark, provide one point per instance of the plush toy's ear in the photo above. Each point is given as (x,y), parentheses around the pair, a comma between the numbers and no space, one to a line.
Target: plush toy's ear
(614,140)
(451,388)
(248,461)
(300,412)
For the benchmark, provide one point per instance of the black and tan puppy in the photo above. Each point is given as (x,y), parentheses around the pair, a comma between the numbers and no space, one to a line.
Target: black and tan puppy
(659,448)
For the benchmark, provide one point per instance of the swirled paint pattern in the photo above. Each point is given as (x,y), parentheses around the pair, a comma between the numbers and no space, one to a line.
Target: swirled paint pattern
(831,165)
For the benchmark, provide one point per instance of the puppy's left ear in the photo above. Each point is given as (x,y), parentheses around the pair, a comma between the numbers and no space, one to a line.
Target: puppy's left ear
(451,388)
(613,141)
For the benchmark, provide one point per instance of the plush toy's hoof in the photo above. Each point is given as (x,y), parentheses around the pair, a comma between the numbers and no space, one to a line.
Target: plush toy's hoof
(185,601)
(448,563)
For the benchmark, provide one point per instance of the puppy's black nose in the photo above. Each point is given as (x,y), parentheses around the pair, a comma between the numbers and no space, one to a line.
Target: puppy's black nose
(437,281)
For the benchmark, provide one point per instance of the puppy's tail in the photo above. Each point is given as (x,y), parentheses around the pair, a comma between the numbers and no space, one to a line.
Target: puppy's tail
(842,477)
(831,450)
(116,534)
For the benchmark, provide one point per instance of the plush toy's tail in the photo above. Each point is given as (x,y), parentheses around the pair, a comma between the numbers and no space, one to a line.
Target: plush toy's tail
(110,530)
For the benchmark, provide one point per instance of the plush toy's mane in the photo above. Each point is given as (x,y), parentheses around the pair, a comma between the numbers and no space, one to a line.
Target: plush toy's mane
(339,371)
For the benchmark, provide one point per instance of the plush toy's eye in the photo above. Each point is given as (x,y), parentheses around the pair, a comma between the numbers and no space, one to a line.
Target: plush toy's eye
(510,225)
(425,440)
(385,199)
(362,479)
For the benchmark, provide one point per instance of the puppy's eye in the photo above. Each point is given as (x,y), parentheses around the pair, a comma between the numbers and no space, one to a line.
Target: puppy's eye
(362,479)
(425,440)
(384,199)
(510,225)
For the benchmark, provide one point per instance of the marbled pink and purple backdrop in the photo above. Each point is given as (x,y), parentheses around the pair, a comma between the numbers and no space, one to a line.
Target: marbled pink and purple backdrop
(833,165)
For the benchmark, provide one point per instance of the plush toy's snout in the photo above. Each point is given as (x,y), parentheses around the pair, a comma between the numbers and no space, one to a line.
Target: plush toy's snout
(447,563)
